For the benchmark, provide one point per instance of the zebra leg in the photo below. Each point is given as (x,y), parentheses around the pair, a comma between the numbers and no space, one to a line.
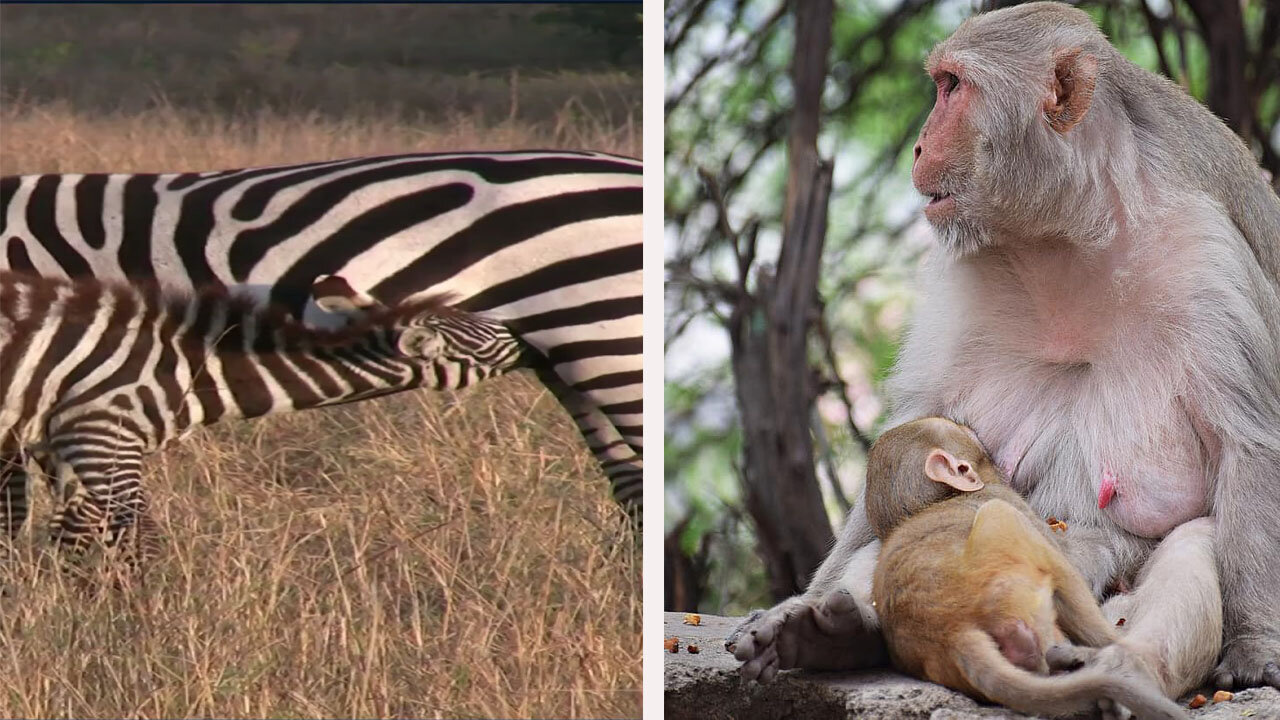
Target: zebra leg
(13,495)
(107,503)
(618,459)
(13,503)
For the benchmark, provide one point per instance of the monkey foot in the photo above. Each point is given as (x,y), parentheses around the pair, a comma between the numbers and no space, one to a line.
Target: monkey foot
(1249,663)
(1112,710)
(1124,666)
(1069,657)
(833,632)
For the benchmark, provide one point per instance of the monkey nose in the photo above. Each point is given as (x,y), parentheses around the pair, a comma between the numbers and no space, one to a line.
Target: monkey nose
(915,154)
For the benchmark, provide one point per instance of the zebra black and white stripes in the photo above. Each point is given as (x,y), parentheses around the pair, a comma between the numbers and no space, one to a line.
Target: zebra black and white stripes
(547,242)
(95,376)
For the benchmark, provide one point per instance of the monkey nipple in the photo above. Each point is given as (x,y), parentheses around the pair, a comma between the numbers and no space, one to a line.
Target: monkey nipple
(1107,491)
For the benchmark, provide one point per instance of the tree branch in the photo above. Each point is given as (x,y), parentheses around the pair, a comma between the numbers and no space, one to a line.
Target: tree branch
(1222,28)
(1155,27)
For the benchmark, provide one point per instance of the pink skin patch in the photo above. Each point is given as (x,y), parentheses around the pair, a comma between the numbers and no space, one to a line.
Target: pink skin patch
(1108,489)
(1019,645)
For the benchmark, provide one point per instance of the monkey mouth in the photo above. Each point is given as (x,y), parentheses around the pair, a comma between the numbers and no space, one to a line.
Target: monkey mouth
(941,206)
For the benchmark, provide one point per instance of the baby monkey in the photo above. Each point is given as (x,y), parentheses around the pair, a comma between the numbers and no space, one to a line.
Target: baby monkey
(972,591)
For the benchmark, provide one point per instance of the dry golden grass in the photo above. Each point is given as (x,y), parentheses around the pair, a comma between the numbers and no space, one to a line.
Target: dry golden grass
(432,554)
(407,60)
(56,138)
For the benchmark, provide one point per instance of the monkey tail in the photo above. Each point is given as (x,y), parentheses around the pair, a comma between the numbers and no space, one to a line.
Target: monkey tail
(995,677)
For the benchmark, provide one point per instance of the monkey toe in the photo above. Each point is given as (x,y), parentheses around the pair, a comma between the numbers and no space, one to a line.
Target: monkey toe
(753,643)
(751,635)
(763,667)
(770,671)
(1246,665)
(747,646)
(839,602)
(1068,657)
(1223,680)
(731,640)
(1112,710)
(840,613)
(1228,680)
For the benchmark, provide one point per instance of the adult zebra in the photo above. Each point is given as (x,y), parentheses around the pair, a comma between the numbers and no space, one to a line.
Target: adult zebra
(547,242)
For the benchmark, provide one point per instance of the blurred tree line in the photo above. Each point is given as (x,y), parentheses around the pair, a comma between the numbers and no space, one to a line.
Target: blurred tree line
(431,61)
(773,378)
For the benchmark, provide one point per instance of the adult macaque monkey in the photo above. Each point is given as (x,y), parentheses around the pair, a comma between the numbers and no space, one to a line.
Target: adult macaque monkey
(1103,309)
(972,589)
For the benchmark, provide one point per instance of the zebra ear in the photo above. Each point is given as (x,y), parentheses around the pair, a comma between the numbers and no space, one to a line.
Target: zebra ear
(333,294)
(420,342)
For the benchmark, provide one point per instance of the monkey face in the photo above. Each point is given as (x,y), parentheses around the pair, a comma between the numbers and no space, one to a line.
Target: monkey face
(944,159)
(999,155)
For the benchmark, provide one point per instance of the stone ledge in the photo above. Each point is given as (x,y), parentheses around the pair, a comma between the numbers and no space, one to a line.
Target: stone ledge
(705,686)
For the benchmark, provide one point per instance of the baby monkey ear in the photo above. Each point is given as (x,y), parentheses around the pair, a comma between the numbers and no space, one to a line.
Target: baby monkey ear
(943,467)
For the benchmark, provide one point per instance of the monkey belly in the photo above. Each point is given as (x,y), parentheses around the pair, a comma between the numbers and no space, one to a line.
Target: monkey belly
(1147,483)
(1150,505)
(1151,490)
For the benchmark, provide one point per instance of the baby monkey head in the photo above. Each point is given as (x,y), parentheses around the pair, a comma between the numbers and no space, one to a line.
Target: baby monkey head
(917,464)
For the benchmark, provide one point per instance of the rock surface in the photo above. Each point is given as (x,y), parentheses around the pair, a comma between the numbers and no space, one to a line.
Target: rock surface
(705,686)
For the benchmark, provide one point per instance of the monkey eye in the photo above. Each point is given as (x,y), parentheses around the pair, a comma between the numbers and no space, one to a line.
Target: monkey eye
(949,82)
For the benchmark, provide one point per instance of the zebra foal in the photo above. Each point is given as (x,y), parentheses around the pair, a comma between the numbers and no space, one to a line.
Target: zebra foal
(93,376)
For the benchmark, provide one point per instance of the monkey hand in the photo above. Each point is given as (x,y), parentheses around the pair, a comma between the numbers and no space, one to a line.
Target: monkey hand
(832,632)
(1249,662)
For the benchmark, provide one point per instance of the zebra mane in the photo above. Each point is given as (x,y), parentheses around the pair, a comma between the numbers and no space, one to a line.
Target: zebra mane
(238,306)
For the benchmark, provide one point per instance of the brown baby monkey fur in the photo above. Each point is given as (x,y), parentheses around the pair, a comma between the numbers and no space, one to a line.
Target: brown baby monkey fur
(972,590)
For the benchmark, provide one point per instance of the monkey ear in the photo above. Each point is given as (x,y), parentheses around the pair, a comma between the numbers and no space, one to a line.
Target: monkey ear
(1075,74)
(943,467)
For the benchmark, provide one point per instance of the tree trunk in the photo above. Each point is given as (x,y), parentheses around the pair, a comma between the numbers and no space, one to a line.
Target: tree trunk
(684,575)
(1222,27)
(770,340)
